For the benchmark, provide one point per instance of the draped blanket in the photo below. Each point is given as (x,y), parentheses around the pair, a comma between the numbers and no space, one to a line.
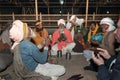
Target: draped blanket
(21,71)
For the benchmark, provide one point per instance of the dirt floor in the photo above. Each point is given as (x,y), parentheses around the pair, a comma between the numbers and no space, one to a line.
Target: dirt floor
(73,67)
(76,66)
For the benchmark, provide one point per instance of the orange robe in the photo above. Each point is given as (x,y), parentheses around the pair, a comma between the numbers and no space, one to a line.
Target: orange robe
(61,44)
(38,39)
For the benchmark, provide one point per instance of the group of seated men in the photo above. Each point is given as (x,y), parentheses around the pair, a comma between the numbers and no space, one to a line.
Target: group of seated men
(67,38)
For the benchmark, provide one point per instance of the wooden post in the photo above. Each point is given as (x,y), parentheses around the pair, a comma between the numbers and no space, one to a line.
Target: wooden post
(36,9)
(23,10)
(13,16)
(86,20)
(72,10)
(40,16)
(68,17)
(94,16)
(97,7)
(48,10)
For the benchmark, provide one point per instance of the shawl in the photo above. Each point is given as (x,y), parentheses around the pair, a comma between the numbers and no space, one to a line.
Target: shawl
(94,32)
(21,71)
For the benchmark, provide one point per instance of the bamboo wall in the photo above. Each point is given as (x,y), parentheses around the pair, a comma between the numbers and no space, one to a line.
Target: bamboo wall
(50,20)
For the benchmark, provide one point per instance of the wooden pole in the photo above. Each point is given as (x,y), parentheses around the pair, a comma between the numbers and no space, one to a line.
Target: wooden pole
(94,16)
(72,10)
(13,16)
(48,10)
(68,17)
(96,7)
(40,16)
(86,20)
(36,9)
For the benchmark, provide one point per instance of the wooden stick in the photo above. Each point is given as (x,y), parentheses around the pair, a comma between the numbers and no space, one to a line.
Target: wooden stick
(86,13)
(13,16)
(68,17)
(40,16)
(36,9)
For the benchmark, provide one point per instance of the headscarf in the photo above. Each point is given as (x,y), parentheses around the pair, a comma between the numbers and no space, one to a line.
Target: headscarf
(61,21)
(109,22)
(38,23)
(72,17)
(18,32)
(78,21)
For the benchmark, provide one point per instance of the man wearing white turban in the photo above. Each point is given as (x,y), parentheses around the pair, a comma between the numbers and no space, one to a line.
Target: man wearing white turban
(110,68)
(108,21)
(32,58)
(73,23)
(77,32)
(61,39)
(107,25)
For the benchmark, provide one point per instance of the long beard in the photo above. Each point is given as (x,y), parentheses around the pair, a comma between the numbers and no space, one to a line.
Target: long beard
(61,30)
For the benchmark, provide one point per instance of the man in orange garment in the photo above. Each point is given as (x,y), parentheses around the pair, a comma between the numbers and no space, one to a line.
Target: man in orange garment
(62,39)
(41,39)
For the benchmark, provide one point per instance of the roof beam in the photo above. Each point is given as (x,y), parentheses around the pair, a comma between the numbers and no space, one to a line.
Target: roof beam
(100,3)
(57,6)
(46,2)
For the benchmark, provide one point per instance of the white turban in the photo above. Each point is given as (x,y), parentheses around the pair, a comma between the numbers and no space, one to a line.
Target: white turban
(109,22)
(61,21)
(16,32)
(20,31)
(78,21)
(72,17)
